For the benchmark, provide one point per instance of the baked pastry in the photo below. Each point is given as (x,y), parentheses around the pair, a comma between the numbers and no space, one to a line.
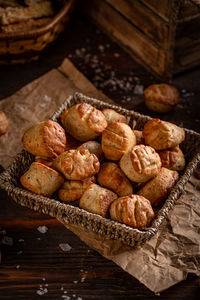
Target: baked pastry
(72,190)
(83,121)
(139,137)
(4,123)
(94,147)
(117,139)
(112,177)
(43,160)
(41,179)
(157,189)
(141,163)
(113,116)
(46,139)
(172,158)
(162,135)
(133,210)
(161,98)
(97,200)
(77,164)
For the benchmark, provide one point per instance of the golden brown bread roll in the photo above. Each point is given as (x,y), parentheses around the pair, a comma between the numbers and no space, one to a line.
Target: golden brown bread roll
(44,161)
(94,147)
(113,116)
(46,139)
(77,164)
(141,164)
(133,210)
(73,189)
(117,139)
(172,158)
(157,189)
(4,123)
(112,177)
(162,135)
(139,137)
(83,121)
(41,179)
(97,200)
(161,98)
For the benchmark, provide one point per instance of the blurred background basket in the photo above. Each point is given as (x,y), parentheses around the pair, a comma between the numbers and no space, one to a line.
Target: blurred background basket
(25,46)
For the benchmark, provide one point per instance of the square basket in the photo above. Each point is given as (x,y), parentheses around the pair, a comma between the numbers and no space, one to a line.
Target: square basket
(69,214)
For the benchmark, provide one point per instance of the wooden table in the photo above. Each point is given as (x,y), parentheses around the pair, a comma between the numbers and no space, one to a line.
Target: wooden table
(34,266)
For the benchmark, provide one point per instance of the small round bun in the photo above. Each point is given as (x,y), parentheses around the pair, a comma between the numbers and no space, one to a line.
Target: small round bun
(94,147)
(172,159)
(162,135)
(133,210)
(46,139)
(141,163)
(112,177)
(161,98)
(157,189)
(97,200)
(4,123)
(139,136)
(41,179)
(113,116)
(77,164)
(83,121)
(117,139)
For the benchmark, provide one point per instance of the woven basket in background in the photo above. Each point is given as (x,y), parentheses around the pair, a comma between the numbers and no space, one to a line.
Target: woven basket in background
(21,47)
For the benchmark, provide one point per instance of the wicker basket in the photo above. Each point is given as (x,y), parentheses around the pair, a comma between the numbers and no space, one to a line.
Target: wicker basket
(68,214)
(21,47)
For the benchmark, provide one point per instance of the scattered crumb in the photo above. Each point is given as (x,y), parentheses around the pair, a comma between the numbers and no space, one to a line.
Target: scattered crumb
(82,279)
(47,98)
(44,279)
(21,240)
(42,105)
(75,281)
(42,229)
(65,247)
(42,291)
(138,89)
(19,252)
(193,198)
(17,267)
(66,297)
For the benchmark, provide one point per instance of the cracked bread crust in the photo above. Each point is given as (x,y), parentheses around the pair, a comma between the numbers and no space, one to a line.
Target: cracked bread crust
(46,139)
(162,135)
(157,189)
(77,164)
(117,139)
(141,163)
(133,210)
(97,200)
(41,179)
(83,121)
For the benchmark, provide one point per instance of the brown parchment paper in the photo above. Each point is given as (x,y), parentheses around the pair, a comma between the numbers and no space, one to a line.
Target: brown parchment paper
(174,251)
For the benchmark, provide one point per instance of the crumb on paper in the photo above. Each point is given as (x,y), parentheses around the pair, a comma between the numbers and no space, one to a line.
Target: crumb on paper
(65,247)
(21,240)
(17,267)
(42,291)
(66,297)
(193,198)
(82,279)
(42,105)
(75,281)
(42,229)
(47,98)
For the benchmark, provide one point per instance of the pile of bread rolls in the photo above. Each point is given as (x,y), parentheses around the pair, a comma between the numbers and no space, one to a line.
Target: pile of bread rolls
(94,158)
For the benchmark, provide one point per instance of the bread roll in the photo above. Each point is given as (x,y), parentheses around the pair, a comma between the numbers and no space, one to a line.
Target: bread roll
(44,161)
(77,164)
(141,164)
(4,123)
(83,121)
(94,147)
(139,137)
(117,139)
(157,189)
(41,179)
(112,177)
(97,200)
(172,158)
(113,116)
(162,135)
(133,210)
(73,189)
(46,139)
(161,98)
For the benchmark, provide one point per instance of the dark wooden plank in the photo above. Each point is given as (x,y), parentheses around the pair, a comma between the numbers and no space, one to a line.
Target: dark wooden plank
(144,19)
(159,7)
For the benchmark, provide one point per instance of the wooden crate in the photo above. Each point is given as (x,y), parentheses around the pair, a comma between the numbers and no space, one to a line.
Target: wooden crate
(164,35)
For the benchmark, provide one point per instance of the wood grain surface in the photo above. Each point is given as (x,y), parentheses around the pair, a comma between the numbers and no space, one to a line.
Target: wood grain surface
(35,266)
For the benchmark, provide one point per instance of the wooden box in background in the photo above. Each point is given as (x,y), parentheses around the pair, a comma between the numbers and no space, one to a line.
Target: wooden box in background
(164,36)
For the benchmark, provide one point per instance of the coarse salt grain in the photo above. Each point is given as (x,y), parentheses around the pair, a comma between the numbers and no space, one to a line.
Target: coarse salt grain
(65,247)
(138,90)
(42,229)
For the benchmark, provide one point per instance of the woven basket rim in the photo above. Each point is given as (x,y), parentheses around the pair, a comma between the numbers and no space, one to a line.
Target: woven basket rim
(43,29)
(69,214)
